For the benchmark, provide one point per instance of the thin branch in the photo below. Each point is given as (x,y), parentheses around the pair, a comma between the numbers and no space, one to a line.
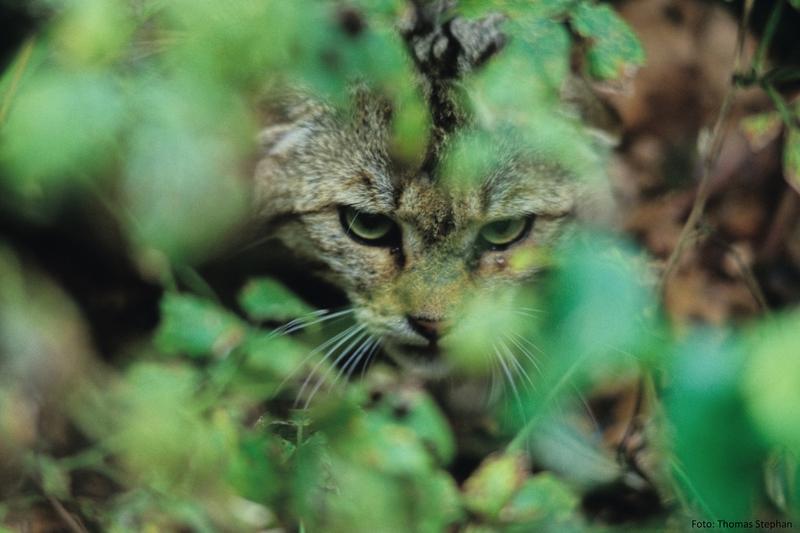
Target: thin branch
(19,70)
(711,156)
(70,521)
(623,449)
(785,112)
(746,273)
(766,39)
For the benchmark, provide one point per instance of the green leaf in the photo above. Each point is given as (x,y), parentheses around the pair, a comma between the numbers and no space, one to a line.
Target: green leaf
(180,186)
(774,361)
(410,125)
(542,499)
(762,128)
(594,342)
(272,356)
(62,124)
(197,327)
(524,80)
(615,48)
(416,410)
(439,502)
(493,484)
(717,470)
(387,447)
(55,479)
(427,421)
(791,158)
(93,32)
(150,420)
(795,3)
(516,8)
(307,474)
(469,160)
(594,271)
(479,323)
(268,299)
(263,37)
(251,473)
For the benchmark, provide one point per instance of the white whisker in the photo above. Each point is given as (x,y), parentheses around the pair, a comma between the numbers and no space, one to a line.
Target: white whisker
(527,314)
(354,358)
(339,339)
(588,408)
(493,385)
(526,353)
(314,352)
(528,342)
(510,379)
(299,320)
(360,336)
(371,354)
(303,325)
(520,369)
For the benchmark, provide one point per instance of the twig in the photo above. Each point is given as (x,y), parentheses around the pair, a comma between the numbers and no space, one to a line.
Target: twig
(623,455)
(73,524)
(711,156)
(766,39)
(746,272)
(786,213)
(19,70)
(783,109)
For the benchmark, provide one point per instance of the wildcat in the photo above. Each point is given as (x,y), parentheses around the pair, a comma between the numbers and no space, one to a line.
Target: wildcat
(405,246)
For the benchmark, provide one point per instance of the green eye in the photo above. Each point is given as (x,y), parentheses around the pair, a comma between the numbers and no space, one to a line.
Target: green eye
(504,232)
(366,227)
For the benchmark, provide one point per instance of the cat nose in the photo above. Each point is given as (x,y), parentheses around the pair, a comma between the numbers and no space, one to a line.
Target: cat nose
(430,328)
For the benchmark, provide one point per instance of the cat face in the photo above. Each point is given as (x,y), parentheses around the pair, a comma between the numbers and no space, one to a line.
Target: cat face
(406,248)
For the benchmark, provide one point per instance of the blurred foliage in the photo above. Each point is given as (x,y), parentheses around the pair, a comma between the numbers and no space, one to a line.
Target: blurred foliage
(148,106)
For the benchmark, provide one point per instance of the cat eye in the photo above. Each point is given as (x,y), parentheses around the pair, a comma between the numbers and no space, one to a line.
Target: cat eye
(369,228)
(502,233)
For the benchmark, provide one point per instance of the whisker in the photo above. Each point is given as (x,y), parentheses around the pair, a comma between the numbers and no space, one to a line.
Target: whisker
(588,408)
(525,313)
(526,353)
(510,379)
(535,363)
(528,342)
(297,327)
(493,385)
(369,358)
(299,320)
(520,369)
(340,338)
(354,358)
(314,352)
(338,359)
(253,244)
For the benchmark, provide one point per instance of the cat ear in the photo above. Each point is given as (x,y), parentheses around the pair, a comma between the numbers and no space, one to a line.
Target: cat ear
(290,117)
(280,139)
(600,119)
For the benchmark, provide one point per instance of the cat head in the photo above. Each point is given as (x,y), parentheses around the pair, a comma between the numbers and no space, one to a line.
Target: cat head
(408,247)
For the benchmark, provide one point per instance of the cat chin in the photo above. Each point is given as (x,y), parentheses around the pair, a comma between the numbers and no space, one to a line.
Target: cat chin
(424,362)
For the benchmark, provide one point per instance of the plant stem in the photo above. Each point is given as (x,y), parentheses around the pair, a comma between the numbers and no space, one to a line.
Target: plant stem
(766,39)
(19,70)
(710,157)
(780,104)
